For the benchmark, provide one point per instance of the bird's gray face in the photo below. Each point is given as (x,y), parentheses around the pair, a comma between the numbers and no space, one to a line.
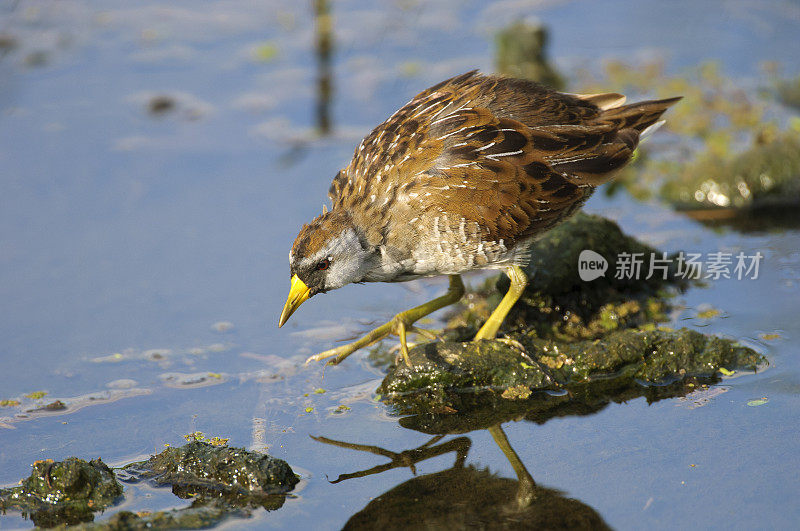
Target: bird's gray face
(339,262)
(327,255)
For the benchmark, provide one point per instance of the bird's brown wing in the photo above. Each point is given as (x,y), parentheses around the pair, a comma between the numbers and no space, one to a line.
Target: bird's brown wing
(599,163)
(496,172)
(518,180)
(404,138)
(510,155)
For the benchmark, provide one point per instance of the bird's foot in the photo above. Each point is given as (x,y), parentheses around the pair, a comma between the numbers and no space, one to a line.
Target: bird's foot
(432,336)
(427,334)
(398,326)
(398,347)
(512,343)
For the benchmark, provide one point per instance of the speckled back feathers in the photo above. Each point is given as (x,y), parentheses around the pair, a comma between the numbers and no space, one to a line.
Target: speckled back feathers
(472,166)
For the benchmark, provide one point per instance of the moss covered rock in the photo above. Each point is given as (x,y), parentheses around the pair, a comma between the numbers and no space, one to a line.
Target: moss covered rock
(558,304)
(239,476)
(648,356)
(221,481)
(461,387)
(67,491)
(766,175)
(597,339)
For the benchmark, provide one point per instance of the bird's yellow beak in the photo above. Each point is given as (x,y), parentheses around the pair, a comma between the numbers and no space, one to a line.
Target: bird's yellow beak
(298,294)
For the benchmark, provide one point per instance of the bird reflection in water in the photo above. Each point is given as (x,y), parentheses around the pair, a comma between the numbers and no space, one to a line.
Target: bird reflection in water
(464,496)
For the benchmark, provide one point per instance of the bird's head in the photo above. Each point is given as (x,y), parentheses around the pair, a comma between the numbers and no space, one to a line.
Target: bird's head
(328,253)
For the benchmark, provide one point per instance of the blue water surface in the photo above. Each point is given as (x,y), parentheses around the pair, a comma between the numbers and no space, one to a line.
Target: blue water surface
(143,257)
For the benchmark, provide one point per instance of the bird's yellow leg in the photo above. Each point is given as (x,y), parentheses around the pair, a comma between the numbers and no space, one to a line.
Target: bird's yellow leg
(401,333)
(518,282)
(398,325)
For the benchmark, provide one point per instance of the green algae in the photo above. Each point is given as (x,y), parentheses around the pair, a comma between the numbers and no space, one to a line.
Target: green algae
(443,366)
(587,374)
(221,481)
(652,357)
(199,436)
(558,304)
(36,395)
(67,491)
(765,175)
(240,477)
(457,387)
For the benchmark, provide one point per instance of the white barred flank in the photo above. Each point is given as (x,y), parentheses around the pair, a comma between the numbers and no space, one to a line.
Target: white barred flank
(452,246)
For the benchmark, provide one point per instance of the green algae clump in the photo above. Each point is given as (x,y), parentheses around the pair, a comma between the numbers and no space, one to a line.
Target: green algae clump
(67,491)
(238,476)
(763,178)
(558,304)
(221,481)
(628,356)
(585,337)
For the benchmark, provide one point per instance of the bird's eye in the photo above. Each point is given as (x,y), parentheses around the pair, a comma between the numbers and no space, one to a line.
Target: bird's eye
(322,265)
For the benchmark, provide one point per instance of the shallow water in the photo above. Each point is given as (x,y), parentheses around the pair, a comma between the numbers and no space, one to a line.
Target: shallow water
(127,238)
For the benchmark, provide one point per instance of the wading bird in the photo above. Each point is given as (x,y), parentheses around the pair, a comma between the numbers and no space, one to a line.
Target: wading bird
(465,176)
